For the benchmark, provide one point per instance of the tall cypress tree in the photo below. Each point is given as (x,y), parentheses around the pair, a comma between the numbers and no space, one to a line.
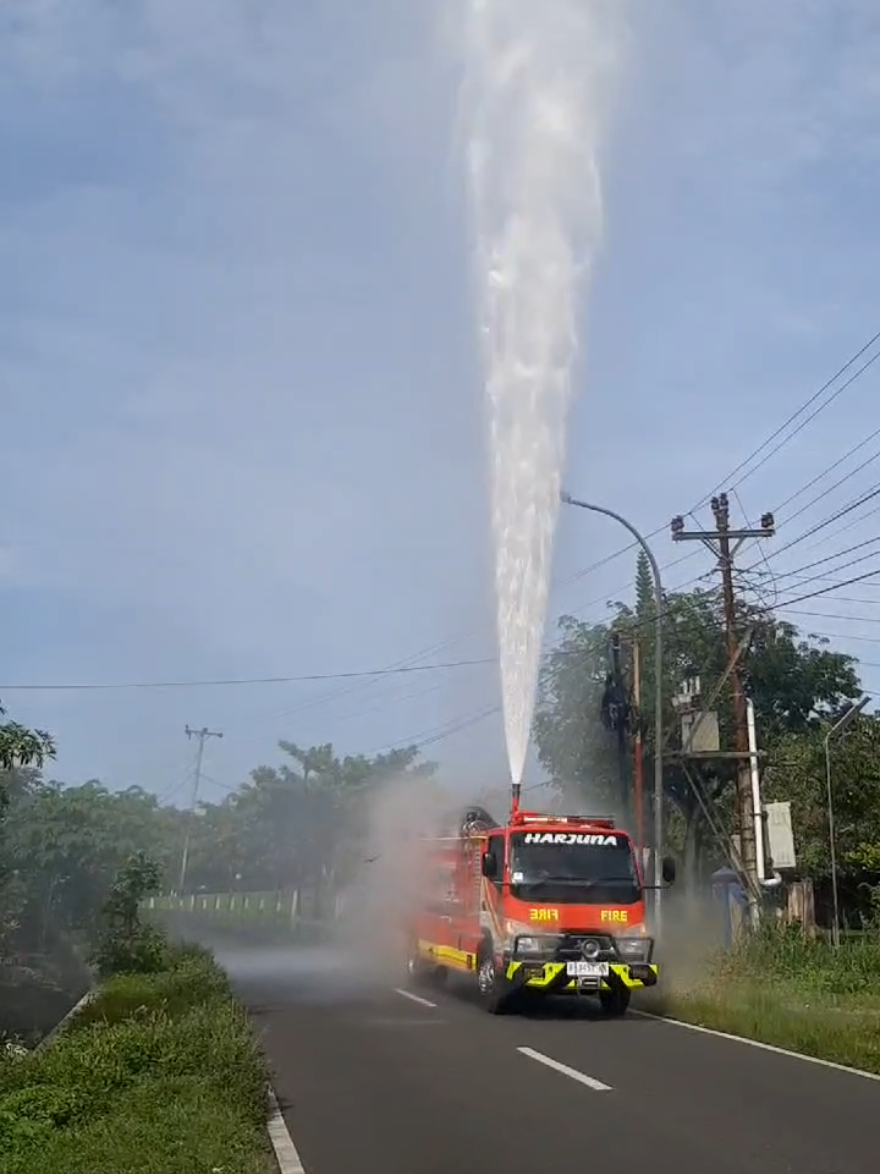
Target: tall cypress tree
(644,588)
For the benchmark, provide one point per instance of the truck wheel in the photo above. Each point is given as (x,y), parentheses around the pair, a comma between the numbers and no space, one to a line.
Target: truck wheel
(417,969)
(614,1003)
(490,983)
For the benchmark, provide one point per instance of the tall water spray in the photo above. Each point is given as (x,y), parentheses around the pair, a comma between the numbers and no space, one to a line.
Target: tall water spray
(534,103)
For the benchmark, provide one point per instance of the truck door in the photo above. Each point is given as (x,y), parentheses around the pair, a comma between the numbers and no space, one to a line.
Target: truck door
(494,888)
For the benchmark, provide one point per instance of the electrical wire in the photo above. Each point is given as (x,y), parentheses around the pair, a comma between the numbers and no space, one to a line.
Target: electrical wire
(826,590)
(842,512)
(370,677)
(82,686)
(726,482)
(633,546)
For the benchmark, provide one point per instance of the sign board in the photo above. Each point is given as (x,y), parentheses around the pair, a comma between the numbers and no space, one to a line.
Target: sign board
(780,837)
(707,738)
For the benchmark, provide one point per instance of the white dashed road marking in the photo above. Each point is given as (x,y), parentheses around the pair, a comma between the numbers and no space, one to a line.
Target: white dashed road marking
(572,1073)
(415,998)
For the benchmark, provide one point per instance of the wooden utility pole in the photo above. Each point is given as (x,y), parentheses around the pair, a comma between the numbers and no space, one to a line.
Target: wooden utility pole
(719,541)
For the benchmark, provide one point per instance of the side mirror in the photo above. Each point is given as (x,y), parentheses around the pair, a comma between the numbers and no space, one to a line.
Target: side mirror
(668,872)
(490,866)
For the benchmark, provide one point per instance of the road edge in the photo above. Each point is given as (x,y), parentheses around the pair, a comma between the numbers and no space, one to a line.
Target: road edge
(757,1043)
(78,1006)
(286,1153)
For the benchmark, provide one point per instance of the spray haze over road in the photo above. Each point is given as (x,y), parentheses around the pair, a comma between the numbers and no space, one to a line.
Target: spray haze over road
(534,107)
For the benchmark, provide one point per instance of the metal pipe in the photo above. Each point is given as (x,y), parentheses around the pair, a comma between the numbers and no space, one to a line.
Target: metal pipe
(760,866)
(838,727)
(567,499)
(765,881)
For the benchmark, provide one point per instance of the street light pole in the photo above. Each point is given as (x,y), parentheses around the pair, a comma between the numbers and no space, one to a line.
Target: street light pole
(839,726)
(658,690)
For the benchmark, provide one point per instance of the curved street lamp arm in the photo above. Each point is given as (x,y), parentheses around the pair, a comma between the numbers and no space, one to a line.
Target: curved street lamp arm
(567,499)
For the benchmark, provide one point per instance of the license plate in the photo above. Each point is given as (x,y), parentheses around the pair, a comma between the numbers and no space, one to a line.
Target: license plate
(587,969)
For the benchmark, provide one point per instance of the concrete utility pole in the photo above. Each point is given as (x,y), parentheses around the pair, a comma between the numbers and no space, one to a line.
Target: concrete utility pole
(202,735)
(718,541)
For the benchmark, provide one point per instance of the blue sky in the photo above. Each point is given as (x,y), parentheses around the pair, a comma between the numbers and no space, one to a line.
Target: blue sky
(243,420)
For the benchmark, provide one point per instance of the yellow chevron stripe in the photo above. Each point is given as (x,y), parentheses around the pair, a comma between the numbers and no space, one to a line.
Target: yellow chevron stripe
(552,970)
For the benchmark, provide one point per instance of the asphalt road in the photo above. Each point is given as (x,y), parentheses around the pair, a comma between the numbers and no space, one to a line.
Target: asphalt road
(372,1080)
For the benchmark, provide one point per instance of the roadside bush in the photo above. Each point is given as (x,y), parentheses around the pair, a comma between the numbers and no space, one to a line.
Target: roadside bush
(787,955)
(126,944)
(158,1073)
(191,979)
(161,1072)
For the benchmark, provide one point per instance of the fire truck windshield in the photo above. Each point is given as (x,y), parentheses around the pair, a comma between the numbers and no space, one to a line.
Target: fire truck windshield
(573,869)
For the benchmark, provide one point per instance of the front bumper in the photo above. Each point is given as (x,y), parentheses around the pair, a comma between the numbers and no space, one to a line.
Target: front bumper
(549,973)
(551,978)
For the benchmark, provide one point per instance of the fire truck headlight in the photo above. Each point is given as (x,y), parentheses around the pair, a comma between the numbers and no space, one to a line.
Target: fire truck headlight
(535,944)
(529,944)
(634,949)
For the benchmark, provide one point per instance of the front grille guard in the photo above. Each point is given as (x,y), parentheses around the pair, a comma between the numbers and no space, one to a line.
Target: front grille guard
(570,949)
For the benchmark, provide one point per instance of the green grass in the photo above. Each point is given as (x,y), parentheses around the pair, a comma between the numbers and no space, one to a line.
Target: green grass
(161,1073)
(784,989)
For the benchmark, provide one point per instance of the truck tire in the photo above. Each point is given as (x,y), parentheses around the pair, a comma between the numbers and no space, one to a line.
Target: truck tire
(417,969)
(490,983)
(614,1002)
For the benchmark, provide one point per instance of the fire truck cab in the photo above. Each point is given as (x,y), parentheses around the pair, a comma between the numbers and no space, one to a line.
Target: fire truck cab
(543,905)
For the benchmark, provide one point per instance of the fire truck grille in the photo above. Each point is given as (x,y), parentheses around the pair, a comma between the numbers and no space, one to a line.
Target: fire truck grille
(577,946)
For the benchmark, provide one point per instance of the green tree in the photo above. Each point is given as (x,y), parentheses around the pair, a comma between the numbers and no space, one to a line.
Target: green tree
(793,682)
(63,847)
(21,747)
(296,825)
(796,773)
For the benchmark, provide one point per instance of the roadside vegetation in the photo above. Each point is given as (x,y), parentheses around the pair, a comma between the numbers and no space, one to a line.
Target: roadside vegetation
(789,990)
(159,1072)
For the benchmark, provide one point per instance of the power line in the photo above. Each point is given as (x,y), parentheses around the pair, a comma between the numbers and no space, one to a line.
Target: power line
(83,686)
(372,677)
(827,590)
(798,574)
(837,484)
(830,469)
(630,547)
(841,512)
(791,419)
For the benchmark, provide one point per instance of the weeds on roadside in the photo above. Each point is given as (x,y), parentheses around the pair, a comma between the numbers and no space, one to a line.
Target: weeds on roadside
(787,955)
(160,1073)
(127,944)
(787,989)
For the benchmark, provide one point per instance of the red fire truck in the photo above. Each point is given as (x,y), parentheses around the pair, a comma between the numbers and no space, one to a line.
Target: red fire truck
(544,905)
